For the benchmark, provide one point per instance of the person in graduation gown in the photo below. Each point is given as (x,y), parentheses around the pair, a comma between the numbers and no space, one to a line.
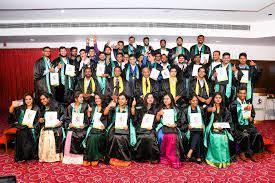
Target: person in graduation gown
(119,61)
(152,64)
(88,86)
(216,60)
(119,48)
(64,91)
(158,57)
(169,134)
(173,86)
(146,148)
(247,137)
(102,77)
(252,72)
(165,65)
(73,150)
(202,88)
(194,133)
(226,87)
(164,50)
(132,73)
(41,71)
(116,85)
(75,60)
(144,86)
(131,48)
(95,142)
(218,140)
(51,140)
(84,62)
(26,141)
(146,48)
(179,49)
(121,139)
(110,61)
(200,48)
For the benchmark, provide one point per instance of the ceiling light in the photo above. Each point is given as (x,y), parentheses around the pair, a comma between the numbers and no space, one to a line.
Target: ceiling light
(31,39)
(62,11)
(217,41)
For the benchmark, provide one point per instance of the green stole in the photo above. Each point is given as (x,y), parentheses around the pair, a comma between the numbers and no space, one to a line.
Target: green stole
(102,81)
(208,131)
(248,85)
(47,75)
(182,50)
(211,68)
(229,85)
(136,72)
(62,74)
(188,118)
(197,49)
(241,120)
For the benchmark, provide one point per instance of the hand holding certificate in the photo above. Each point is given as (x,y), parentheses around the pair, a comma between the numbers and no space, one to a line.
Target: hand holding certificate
(51,119)
(100,69)
(196,120)
(204,58)
(77,119)
(221,125)
(246,113)
(245,76)
(154,74)
(29,117)
(70,70)
(97,123)
(147,121)
(221,74)
(196,69)
(165,73)
(121,120)
(54,78)
(168,117)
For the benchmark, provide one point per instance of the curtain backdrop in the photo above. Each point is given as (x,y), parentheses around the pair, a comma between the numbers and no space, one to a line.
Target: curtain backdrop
(16,73)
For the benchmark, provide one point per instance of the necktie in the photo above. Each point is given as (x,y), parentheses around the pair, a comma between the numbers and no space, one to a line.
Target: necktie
(146,84)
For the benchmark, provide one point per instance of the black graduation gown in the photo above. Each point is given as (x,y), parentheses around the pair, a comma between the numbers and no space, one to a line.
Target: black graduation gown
(146,148)
(58,134)
(26,141)
(108,69)
(196,134)
(64,93)
(96,148)
(126,50)
(110,88)
(207,50)
(202,90)
(116,51)
(40,84)
(76,63)
(78,134)
(80,87)
(253,77)
(119,139)
(138,90)
(132,76)
(247,137)
(170,53)
(140,49)
(180,91)
(223,84)
(186,53)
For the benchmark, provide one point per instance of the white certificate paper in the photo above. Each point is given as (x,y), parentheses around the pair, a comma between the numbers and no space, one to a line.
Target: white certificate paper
(100,69)
(54,78)
(165,73)
(204,57)
(221,74)
(121,120)
(195,69)
(245,76)
(164,52)
(97,123)
(70,70)
(168,117)
(154,74)
(29,117)
(246,114)
(196,120)
(147,121)
(77,119)
(221,125)
(51,119)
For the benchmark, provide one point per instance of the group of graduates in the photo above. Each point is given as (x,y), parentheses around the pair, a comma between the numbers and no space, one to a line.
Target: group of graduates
(174,102)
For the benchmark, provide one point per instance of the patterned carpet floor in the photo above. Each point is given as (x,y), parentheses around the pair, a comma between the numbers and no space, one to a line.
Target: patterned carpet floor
(33,171)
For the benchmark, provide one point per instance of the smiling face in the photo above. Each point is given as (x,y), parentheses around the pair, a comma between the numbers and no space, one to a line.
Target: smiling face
(173,72)
(194,102)
(200,40)
(243,60)
(201,72)
(167,100)
(122,101)
(218,99)
(63,52)
(226,59)
(98,100)
(28,100)
(179,41)
(44,100)
(83,55)
(120,45)
(74,52)
(216,56)
(46,52)
(117,72)
(242,94)
(150,99)
(146,72)
(79,99)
